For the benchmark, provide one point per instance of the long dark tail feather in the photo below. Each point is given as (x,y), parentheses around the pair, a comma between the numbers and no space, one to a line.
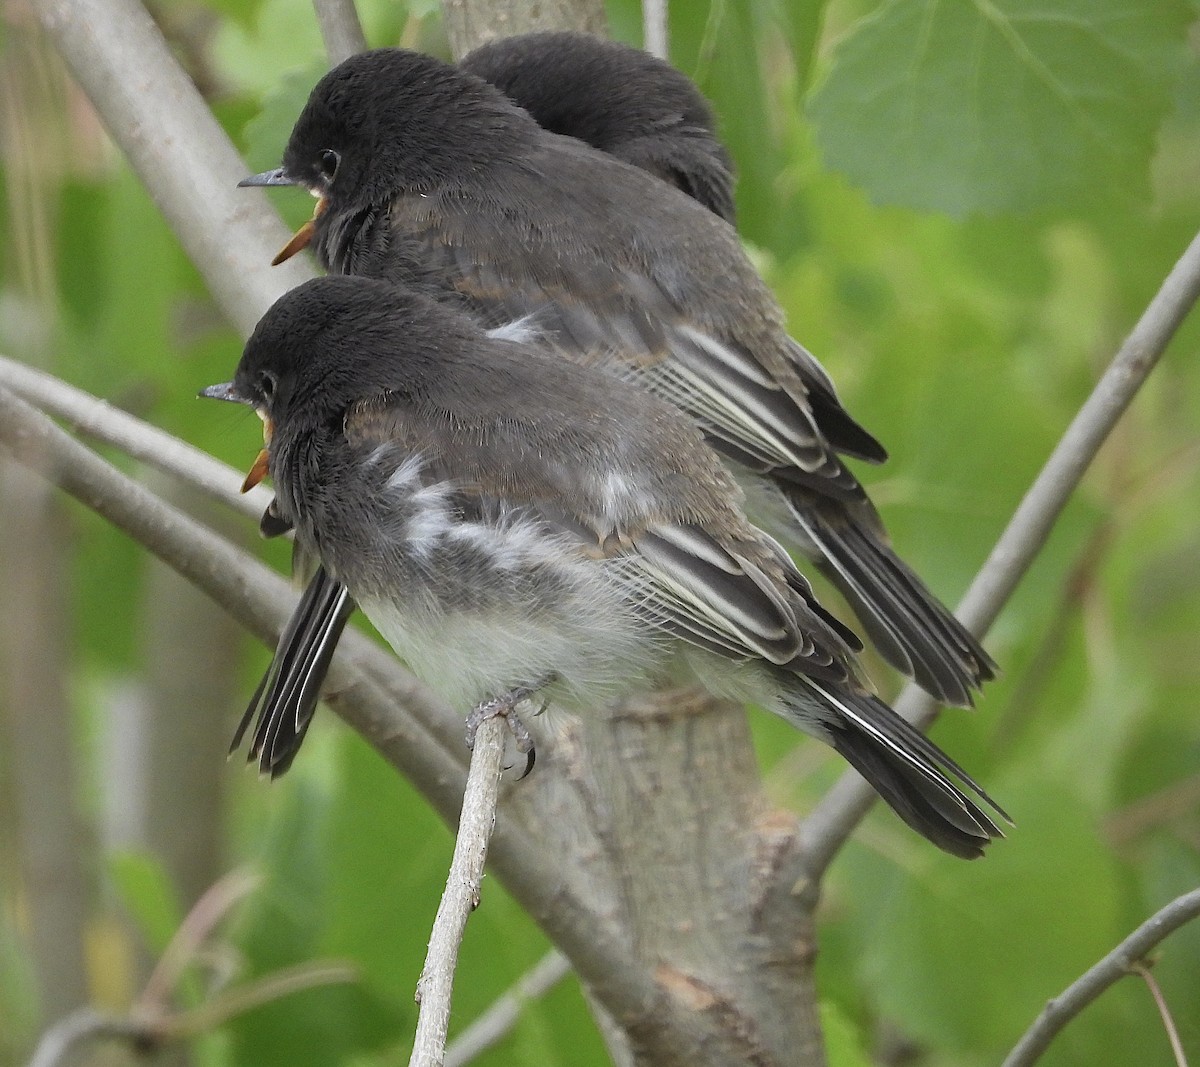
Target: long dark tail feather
(910,772)
(909,626)
(841,431)
(287,696)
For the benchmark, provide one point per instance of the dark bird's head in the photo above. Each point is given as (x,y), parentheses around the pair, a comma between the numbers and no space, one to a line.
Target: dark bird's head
(391,121)
(332,342)
(618,99)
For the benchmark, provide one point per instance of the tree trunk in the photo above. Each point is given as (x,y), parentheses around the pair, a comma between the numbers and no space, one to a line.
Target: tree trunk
(469,23)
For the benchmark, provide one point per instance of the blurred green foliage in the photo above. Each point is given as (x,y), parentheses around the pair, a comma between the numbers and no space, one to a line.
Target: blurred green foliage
(963,208)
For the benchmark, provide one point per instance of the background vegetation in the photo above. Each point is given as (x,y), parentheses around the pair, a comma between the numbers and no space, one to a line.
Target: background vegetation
(963,208)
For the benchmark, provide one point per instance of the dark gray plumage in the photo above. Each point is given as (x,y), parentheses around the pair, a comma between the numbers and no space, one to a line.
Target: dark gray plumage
(504,517)
(430,176)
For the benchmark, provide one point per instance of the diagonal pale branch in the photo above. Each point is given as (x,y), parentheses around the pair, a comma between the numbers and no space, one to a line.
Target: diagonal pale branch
(834,819)
(1111,969)
(98,419)
(162,124)
(499,1019)
(341,29)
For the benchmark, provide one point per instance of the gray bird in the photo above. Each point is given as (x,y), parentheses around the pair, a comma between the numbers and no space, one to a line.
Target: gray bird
(428,175)
(514,525)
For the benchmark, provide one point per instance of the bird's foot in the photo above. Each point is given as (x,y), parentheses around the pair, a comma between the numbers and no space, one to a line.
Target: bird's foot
(505,706)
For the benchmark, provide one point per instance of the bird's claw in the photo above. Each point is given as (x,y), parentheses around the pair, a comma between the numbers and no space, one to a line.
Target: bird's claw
(506,706)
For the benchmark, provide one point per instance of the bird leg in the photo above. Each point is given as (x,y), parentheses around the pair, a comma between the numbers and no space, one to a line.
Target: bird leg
(506,706)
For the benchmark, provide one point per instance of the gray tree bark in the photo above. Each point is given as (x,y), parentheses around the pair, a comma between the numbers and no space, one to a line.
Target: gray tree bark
(469,23)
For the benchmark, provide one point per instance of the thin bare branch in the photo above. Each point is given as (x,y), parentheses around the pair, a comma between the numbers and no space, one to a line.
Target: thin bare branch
(157,116)
(461,895)
(1142,970)
(86,1024)
(843,807)
(341,29)
(220,898)
(1118,963)
(655,31)
(99,420)
(498,1020)
(234,1002)
(148,1030)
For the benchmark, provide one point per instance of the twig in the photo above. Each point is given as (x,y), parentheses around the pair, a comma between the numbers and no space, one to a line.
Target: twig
(147,1031)
(499,1019)
(246,997)
(834,819)
(341,29)
(1118,963)
(461,895)
(197,925)
(86,1024)
(99,420)
(1143,971)
(655,34)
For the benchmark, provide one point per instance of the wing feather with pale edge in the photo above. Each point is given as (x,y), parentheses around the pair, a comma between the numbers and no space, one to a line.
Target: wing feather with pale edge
(738,595)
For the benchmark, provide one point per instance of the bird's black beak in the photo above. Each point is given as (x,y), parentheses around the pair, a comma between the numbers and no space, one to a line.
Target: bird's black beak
(267,177)
(260,468)
(225,391)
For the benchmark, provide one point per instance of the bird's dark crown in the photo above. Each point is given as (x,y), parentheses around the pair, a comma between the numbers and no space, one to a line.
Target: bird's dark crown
(336,340)
(400,121)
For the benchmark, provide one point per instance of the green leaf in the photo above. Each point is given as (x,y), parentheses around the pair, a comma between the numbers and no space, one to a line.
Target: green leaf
(284,925)
(243,12)
(843,1042)
(146,890)
(1006,932)
(1001,105)
(319,1027)
(387,854)
(267,133)
(284,36)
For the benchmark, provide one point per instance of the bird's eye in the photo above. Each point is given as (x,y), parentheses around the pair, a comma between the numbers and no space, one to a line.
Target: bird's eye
(328,161)
(266,385)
